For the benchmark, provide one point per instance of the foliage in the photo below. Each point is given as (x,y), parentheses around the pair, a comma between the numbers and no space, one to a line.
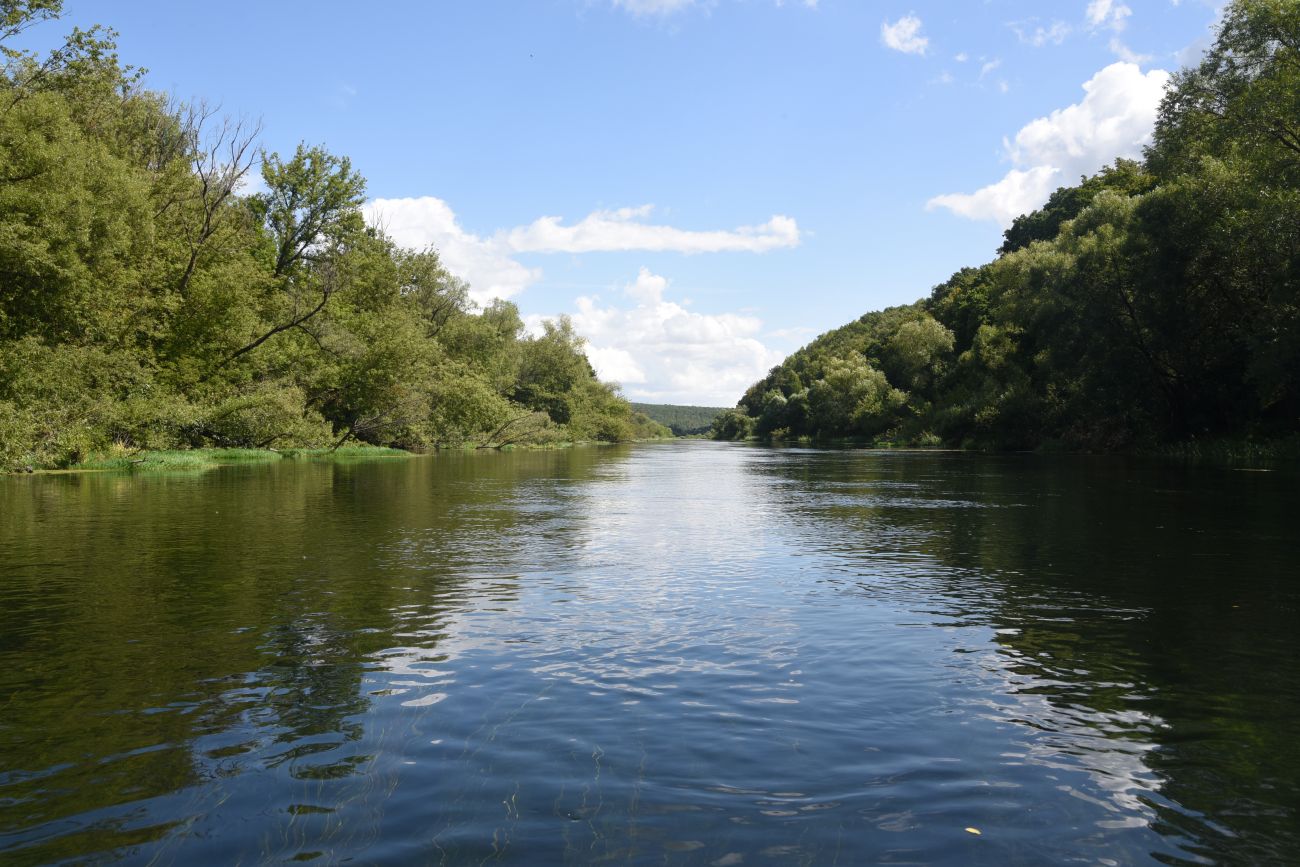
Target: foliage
(681,420)
(732,424)
(146,304)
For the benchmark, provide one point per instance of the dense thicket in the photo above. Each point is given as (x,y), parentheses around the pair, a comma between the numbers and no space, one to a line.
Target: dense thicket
(146,302)
(1155,302)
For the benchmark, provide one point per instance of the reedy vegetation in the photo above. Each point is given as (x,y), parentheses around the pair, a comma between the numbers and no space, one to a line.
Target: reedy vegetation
(145,302)
(1154,303)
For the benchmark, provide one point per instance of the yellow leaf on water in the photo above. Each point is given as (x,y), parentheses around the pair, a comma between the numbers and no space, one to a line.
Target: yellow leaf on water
(975,831)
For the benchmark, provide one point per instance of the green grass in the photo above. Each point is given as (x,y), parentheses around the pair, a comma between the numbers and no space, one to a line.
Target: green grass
(176,460)
(171,460)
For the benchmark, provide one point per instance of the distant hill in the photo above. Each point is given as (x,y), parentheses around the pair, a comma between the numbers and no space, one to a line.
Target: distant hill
(683,420)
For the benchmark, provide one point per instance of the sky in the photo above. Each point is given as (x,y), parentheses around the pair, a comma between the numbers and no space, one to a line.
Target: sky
(702,185)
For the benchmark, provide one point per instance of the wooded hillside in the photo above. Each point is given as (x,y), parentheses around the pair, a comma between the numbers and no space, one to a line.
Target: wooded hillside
(148,301)
(1153,303)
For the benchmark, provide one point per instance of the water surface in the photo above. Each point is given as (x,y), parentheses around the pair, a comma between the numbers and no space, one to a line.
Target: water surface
(690,653)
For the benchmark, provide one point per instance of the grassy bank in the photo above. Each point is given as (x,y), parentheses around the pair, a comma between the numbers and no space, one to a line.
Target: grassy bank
(172,460)
(175,460)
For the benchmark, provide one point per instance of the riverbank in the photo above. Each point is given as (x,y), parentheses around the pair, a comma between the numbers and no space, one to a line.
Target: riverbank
(1226,451)
(171,460)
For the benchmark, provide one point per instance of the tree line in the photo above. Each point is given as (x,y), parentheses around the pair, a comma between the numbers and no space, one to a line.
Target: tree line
(681,420)
(148,301)
(1155,302)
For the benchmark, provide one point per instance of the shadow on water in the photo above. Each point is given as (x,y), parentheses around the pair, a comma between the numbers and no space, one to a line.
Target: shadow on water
(162,636)
(1144,619)
(694,653)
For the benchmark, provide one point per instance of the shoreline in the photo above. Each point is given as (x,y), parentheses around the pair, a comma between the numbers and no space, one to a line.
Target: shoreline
(201,459)
(174,460)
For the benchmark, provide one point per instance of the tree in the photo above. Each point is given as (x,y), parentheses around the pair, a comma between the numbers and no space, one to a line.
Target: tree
(550,368)
(312,208)
(732,424)
(312,205)
(1243,96)
(220,155)
(917,352)
(1124,176)
(853,398)
(436,294)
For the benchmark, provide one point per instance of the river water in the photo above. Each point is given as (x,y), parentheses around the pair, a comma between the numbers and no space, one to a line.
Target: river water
(687,653)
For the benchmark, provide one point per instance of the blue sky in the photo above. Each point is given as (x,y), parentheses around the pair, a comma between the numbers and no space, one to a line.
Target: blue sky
(704,185)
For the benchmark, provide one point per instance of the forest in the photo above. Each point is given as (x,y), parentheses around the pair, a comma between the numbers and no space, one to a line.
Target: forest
(681,420)
(1152,304)
(148,301)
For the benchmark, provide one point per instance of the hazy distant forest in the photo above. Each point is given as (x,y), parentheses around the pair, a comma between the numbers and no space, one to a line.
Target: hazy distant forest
(145,302)
(681,420)
(1154,303)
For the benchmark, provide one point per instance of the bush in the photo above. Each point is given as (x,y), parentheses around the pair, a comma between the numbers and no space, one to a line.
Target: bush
(269,414)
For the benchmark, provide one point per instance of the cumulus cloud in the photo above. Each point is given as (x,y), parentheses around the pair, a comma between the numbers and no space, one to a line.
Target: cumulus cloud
(626,229)
(904,35)
(1114,119)
(489,265)
(428,221)
(1017,192)
(662,352)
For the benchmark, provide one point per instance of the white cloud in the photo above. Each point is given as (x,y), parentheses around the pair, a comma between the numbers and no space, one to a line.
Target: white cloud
(1114,119)
(661,352)
(904,35)
(990,66)
(624,229)
(1126,54)
(653,7)
(1108,14)
(1038,35)
(1113,16)
(489,265)
(961,57)
(1018,192)
(427,221)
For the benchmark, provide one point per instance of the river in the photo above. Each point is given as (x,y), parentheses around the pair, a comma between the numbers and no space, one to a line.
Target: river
(683,653)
